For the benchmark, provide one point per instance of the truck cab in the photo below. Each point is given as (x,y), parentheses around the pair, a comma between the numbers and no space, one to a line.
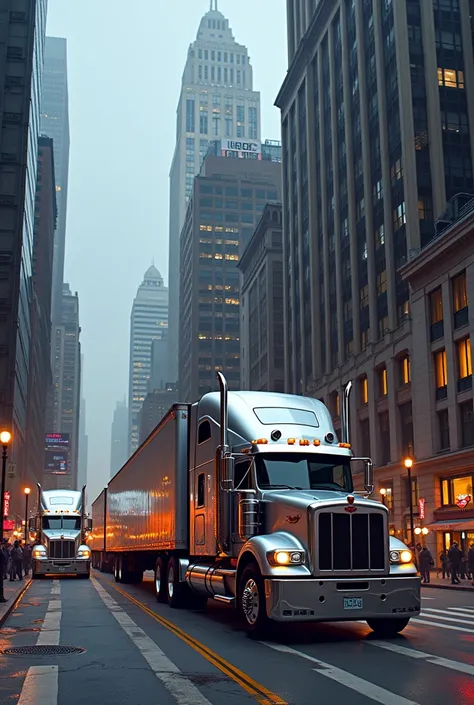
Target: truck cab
(60,527)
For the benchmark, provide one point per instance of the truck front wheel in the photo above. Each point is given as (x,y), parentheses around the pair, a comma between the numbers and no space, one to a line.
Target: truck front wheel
(251,602)
(388,628)
(160,579)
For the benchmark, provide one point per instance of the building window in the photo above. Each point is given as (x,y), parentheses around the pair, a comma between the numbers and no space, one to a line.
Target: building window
(406,427)
(203,124)
(467,424)
(364,391)
(189,115)
(460,300)
(365,438)
(383,382)
(405,370)
(441,374)
(443,429)
(455,489)
(464,365)
(450,78)
(436,314)
(253,123)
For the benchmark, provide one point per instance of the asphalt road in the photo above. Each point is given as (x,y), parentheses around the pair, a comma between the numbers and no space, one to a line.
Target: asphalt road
(137,652)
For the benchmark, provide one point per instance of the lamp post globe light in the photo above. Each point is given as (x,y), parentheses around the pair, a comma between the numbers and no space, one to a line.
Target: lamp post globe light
(27,491)
(408,463)
(5,438)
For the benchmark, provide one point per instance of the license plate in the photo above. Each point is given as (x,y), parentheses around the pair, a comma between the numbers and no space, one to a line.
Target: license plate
(353,603)
(61,570)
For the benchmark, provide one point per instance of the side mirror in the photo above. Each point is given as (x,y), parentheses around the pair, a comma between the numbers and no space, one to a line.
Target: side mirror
(368,474)
(227,473)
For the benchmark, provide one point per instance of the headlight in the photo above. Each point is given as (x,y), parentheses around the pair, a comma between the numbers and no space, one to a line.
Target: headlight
(39,553)
(404,556)
(284,557)
(83,553)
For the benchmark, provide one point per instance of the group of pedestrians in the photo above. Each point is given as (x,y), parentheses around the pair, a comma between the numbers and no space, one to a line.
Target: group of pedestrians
(454,563)
(15,559)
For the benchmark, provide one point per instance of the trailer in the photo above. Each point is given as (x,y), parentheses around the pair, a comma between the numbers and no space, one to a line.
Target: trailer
(247,498)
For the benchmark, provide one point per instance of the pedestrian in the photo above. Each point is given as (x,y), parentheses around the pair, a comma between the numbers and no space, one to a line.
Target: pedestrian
(27,559)
(426,561)
(455,556)
(443,557)
(470,562)
(16,562)
(4,558)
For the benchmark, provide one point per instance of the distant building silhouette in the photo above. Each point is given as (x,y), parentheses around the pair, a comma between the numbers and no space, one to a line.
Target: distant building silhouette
(119,438)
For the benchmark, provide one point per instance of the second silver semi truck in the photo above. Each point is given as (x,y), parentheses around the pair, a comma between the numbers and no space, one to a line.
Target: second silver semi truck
(247,498)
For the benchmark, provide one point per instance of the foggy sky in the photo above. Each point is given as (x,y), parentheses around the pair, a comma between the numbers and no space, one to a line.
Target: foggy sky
(125,63)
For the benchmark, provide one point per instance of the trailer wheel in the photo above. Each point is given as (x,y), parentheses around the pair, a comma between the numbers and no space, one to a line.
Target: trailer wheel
(251,602)
(161,585)
(177,592)
(118,569)
(388,628)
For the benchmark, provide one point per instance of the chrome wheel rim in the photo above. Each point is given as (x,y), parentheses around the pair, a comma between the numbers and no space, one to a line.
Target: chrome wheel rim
(171,581)
(158,579)
(251,601)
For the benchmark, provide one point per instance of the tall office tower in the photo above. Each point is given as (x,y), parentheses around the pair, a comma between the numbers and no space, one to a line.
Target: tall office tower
(67,394)
(55,124)
(83,438)
(22,32)
(39,375)
(148,320)
(217,101)
(119,438)
(227,202)
(378,134)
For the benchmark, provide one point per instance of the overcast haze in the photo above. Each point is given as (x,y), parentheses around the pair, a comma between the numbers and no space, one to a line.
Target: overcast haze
(125,64)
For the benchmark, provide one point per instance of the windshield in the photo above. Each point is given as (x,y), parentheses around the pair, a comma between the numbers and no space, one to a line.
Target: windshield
(67,523)
(322,472)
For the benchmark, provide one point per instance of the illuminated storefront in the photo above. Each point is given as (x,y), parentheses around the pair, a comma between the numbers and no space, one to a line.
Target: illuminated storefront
(454,520)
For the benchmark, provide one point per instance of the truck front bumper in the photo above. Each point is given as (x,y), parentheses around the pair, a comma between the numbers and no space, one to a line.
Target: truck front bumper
(66,566)
(338,600)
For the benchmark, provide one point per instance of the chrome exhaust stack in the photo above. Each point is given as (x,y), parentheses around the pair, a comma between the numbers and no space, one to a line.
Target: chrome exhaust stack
(224,474)
(345,426)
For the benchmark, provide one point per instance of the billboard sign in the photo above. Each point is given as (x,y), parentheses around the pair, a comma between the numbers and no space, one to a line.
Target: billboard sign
(55,440)
(241,150)
(421,507)
(56,461)
(8,524)
(6,503)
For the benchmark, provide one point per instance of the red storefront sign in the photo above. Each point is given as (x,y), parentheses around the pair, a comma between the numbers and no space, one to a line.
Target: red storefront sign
(421,507)
(8,524)
(462,500)
(6,503)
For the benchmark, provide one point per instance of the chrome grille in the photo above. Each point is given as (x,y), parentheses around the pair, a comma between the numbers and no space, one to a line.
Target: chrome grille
(351,542)
(62,549)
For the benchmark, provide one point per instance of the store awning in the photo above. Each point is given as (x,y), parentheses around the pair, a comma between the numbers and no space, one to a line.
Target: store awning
(453,525)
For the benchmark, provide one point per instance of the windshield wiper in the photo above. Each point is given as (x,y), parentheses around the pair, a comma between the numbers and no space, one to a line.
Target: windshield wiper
(280,487)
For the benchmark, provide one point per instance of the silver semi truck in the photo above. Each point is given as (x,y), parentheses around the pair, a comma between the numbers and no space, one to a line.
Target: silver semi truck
(247,498)
(60,529)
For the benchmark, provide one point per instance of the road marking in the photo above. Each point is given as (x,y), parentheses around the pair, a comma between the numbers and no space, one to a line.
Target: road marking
(431,658)
(442,626)
(40,686)
(462,618)
(164,669)
(349,680)
(50,632)
(56,587)
(256,690)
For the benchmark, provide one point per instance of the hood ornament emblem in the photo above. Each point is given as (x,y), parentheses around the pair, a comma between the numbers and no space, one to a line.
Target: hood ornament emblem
(350,509)
(293,520)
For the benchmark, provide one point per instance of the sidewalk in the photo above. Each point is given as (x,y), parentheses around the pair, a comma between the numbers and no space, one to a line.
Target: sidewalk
(13,592)
(445,584)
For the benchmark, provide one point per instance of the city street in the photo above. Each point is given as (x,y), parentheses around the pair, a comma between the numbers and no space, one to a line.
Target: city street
(134,651)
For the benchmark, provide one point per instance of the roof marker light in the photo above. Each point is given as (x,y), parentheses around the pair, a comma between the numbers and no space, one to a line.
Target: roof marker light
(291,441)
(304,442)
(316,442)
(344,445)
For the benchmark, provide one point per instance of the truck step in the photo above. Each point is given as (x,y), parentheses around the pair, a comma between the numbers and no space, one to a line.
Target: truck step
(225,599)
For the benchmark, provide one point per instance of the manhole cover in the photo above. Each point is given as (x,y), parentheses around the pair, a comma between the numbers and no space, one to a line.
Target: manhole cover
(42,650)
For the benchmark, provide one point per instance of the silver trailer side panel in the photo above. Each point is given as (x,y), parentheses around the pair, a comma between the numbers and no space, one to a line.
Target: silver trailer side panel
(147,500)
(97,537)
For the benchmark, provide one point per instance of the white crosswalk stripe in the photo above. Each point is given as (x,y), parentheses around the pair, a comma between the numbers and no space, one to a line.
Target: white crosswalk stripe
(459,619)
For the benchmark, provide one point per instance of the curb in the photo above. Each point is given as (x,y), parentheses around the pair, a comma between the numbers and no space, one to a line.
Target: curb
(13,604)
(457,588)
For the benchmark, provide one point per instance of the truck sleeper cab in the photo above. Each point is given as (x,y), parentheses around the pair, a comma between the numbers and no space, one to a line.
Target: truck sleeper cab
(271,523)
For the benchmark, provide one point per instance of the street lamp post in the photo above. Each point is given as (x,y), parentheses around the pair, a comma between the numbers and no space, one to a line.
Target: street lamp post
(27,491)
(408,463)
(383,494)
(5,438)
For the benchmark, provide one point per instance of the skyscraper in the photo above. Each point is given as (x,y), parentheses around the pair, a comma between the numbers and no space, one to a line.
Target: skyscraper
(67,386)
(148,320)
(217,101)
(119,438)
(22,30)
(378,135)
(83,438)
(55,124)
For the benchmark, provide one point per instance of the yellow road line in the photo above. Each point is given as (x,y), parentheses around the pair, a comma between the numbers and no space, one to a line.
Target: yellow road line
(258,691)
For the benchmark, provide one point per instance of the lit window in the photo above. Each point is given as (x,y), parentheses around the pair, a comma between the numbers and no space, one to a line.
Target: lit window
(450,78)
(405,369)
(455,490)
(464,358)
(441,369)
(364,390)
(383,382)
(459,292)
(436,307)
